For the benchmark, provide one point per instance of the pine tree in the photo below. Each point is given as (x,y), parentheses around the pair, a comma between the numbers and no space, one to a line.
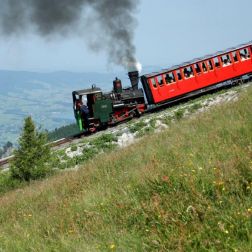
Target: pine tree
(31,159)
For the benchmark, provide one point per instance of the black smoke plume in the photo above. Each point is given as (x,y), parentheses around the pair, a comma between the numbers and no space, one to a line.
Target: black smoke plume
(105,24)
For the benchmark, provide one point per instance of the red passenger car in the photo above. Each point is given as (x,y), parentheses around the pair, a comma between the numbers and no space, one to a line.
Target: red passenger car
(198,75)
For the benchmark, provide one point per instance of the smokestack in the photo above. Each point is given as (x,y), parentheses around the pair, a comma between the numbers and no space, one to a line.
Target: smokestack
(134,79)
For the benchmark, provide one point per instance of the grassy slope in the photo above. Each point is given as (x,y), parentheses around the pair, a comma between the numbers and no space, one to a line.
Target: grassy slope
(186,189)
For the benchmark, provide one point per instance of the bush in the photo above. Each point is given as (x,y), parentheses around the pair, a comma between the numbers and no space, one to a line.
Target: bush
(32,158)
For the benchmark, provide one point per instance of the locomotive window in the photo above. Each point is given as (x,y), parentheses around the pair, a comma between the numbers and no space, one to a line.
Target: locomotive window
(154,83)
(225,60)
(244,54)
(209,65)
(216,62)
(169,78)
(197,68)
(160,80)
(234,54)
(179,75)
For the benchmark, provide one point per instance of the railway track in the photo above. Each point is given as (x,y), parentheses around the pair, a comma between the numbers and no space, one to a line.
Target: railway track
(4,163)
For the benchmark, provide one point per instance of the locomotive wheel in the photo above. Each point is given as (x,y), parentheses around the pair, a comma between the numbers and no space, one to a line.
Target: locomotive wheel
(138,113)
(104,126)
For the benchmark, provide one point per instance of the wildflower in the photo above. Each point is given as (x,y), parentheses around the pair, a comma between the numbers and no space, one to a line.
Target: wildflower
(165,178)
(200,168)
(193,170)
(250,210)
(112,246)
(215,168)
(226,231)
(29,215)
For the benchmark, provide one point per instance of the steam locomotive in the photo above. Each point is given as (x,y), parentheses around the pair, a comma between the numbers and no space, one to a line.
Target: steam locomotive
(221,69)
(105,109)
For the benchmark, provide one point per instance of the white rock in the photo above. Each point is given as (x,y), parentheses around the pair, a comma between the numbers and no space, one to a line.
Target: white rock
(125,139)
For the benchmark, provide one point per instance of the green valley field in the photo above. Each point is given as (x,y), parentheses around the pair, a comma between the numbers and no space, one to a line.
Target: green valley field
(188,188)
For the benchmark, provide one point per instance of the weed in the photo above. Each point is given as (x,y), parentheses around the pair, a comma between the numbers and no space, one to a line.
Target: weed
(179,114)
(137,126)
(195,106)
(104,141)
(74,148)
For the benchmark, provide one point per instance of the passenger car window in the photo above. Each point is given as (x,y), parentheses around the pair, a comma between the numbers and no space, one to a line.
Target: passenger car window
(197,68)
(209,65)
(169,78)
(216,62)
(244,54)
(234,54)
(225,60)
(204,68)
(179,75)
(154,83)
(160,80)
(188,72)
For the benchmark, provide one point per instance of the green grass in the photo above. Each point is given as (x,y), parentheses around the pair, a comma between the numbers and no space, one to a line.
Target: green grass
(137,126)
(188,188)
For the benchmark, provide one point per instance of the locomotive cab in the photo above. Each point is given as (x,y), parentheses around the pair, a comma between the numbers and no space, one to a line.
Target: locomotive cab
(91,110)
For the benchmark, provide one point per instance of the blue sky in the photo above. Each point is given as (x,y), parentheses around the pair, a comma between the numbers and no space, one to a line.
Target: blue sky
(168,32)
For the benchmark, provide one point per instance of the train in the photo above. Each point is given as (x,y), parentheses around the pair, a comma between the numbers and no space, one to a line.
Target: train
(95,109)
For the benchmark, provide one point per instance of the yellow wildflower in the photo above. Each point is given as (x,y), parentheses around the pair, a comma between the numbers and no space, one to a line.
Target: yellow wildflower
(112,246)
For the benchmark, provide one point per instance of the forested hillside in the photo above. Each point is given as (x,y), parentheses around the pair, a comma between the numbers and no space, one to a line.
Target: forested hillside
(63,132)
